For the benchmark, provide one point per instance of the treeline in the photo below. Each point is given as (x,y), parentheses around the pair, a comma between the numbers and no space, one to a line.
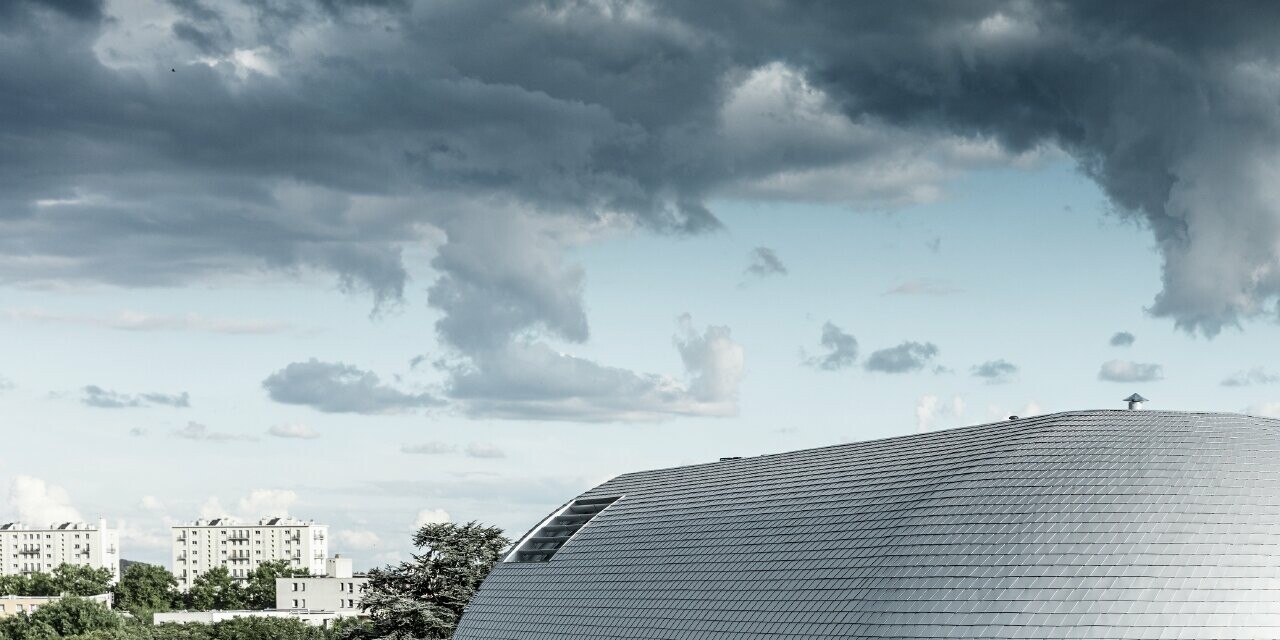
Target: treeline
(145,589)
(81,619)
(419,599)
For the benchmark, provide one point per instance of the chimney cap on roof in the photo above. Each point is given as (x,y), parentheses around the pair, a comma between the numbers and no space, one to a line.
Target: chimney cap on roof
(1135,402)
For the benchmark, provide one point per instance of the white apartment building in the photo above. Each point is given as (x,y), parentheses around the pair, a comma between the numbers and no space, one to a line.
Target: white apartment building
(30,549)
(339,589)
(226,542)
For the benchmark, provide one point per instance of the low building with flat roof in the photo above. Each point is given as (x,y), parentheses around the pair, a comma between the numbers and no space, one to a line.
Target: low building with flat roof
(340,589)
(13,605)
(311,617)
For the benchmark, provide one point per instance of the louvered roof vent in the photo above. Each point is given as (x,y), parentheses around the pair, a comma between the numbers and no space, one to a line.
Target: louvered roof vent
(543,542)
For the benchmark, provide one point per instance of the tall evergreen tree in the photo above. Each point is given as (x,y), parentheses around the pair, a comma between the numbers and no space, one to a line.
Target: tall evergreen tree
(424,598)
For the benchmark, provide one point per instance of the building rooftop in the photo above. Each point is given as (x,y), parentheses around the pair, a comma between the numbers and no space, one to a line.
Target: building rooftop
(1097,524)
(66,526)
(270,521)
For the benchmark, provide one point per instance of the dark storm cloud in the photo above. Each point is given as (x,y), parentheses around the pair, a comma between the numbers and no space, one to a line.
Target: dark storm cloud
(841,350)
(296,137)
(336,387)
(995,371)
(1122,339)
(95,396)
(763,262)
(904,358)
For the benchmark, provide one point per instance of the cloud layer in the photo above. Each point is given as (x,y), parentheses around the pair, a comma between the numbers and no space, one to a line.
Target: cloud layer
(224,140)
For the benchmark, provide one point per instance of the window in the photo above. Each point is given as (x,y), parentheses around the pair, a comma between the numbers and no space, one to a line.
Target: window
(543,542)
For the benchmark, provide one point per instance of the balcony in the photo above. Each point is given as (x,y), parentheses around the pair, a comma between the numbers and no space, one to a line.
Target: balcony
(239,537)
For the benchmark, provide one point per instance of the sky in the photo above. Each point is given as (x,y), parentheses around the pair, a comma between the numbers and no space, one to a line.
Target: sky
(384,263)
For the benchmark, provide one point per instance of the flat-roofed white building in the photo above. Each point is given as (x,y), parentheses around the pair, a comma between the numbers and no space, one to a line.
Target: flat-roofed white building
(339,589)
(26,549)
(240,547)
(311,617)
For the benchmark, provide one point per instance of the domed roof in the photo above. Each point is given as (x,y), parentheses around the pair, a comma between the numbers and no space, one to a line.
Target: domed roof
(1096,524)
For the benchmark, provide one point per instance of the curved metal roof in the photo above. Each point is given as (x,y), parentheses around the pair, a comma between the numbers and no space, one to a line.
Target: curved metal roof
(1096,524)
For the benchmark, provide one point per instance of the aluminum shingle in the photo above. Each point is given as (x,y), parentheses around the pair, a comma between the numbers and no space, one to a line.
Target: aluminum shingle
(1095,524)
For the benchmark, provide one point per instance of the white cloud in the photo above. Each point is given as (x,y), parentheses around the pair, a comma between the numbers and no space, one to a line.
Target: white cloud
(293,430)
(1127,371)
(430,516)
(212,508)
(151,503)
(534,381)
(39,503)
(1256,375)
(433,448)
(929,409)
(267,502)
(1264,409)
(133,536)
(358,539)
(485,450)
(197,431)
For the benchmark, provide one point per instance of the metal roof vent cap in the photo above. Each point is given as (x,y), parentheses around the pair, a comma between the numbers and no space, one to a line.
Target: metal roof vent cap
(1135,402)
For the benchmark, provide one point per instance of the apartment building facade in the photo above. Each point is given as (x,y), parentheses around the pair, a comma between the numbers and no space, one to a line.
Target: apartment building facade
(241,547)
(339,589)
(28,549)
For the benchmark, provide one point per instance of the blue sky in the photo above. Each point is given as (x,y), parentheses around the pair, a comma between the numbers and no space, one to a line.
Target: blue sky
(1017,286)
(381,265)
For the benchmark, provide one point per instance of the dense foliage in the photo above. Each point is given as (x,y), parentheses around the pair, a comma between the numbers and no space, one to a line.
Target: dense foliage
(80,619)
(417,600)
(145,589)
(67,579)
(424,598)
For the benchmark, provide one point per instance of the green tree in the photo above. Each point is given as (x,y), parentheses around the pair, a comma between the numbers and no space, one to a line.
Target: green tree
(15,585)
(215,589)
(22,627)
(260,593)
(424,598)
(145,589)
(81,580)
(72,616)
(266,629)
(42,584)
